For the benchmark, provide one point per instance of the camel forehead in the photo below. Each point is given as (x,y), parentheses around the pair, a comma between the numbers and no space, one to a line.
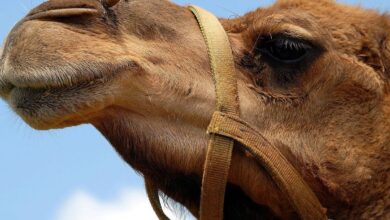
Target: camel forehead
(335,18)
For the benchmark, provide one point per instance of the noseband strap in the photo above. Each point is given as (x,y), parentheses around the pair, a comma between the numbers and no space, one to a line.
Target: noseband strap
(226,128)
(220,148)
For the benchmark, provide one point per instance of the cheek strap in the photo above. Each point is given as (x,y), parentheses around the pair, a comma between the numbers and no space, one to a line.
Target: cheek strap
(226,128)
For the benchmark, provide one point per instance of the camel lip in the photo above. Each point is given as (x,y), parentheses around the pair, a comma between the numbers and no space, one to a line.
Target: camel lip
(51,108)
(10,83)
(61,12)
(27,101)
(61,77)
(23,86)
(5,88)
(41,91)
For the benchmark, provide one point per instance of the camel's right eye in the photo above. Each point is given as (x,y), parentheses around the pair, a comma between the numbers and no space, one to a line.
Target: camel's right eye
(284,49)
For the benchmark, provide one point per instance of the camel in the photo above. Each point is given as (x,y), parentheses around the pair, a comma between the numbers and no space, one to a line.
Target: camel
(313,77)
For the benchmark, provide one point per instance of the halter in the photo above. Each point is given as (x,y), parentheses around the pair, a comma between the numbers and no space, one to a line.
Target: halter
(227,128)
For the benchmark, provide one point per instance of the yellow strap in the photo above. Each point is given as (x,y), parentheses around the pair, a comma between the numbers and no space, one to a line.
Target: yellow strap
(154,199)
(220,148)
(301,197)
(225,127)
(221,60)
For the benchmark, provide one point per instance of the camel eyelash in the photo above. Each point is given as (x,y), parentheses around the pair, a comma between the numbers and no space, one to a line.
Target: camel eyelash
(292,44)
(283,49)
(284,41)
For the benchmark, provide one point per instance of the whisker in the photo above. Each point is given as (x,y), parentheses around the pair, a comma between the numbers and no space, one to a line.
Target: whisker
(234,14)
(254,45)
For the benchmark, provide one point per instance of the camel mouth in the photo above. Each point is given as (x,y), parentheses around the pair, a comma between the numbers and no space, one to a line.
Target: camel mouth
(56,107)
(60,77)
(45,81)
(45,99)
(28,98)
(5,88)
(34,91)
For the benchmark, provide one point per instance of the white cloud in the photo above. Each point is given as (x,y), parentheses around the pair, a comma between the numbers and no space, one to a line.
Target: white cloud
(131,204)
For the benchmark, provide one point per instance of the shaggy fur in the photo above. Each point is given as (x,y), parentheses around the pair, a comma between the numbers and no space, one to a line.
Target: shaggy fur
(139,72)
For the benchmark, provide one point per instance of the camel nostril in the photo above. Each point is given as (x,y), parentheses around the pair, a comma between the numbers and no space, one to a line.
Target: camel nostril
(60,8)
(110,3)
(61,13)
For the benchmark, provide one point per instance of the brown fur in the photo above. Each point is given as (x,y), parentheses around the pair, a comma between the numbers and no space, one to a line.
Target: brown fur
(139,72)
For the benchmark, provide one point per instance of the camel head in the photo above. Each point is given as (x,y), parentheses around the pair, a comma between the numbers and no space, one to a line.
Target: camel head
(313,78)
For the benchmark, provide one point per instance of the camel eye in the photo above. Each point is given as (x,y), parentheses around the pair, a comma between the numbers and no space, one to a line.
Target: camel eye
(284,49)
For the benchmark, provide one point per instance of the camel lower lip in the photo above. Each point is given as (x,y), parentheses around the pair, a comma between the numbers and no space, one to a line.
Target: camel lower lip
(5,89)
(29,97)
(81,75)
(24,98)
(9,89)
(40,108)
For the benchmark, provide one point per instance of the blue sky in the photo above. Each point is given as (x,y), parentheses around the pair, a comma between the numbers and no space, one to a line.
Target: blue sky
(50,175)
